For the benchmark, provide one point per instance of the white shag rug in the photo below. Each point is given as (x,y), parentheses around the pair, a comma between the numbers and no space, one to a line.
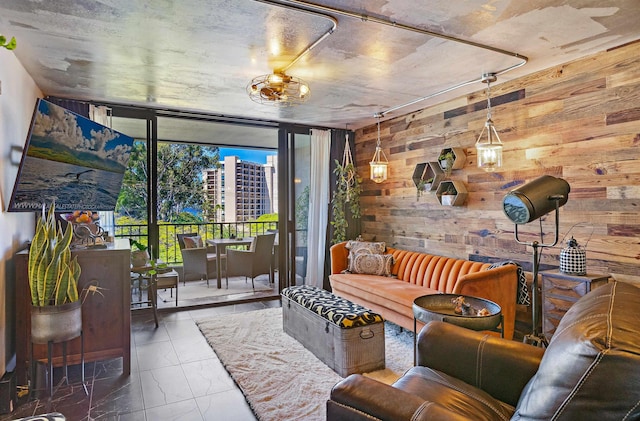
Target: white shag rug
(279,377)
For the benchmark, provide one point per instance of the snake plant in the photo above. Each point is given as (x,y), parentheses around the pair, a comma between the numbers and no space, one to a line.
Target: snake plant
(53,275)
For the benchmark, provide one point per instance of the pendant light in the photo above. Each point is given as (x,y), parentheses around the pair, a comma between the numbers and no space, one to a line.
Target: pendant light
(379,164)
(489,147)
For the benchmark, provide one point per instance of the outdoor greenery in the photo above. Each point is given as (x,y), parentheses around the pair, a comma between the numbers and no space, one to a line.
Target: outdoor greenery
(302,214)
(182,203)
(169,250)
(180,169)
(345,201)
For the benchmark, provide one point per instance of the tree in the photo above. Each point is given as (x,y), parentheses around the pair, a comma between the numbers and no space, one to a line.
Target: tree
(132,201)
(302,214)
(180,169)
(180,181)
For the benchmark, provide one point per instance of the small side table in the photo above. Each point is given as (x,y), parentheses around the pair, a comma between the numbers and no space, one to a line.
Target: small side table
(560,291)
(142,273)
(167,280)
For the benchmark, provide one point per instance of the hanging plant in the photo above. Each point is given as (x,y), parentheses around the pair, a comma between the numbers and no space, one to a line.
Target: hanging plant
(422,186)
(346,199)
(9,45)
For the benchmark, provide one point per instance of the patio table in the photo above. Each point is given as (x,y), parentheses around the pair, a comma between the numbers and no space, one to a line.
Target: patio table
(221,245)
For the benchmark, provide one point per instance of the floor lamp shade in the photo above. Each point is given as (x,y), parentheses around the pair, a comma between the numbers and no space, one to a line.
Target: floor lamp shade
(535,199)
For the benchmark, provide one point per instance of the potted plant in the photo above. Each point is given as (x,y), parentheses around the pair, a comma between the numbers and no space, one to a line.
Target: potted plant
(446,160)
(56,313)
(448,195)
(140,256)
(422,186)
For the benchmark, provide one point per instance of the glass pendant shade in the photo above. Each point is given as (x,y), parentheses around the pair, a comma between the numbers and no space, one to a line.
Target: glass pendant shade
(379,163)
(489,148)
(379,166)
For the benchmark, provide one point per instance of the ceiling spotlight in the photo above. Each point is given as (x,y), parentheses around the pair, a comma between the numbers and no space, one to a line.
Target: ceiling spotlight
(278,89)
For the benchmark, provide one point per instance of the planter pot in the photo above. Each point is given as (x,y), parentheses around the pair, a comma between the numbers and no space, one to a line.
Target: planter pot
(447,199)
(139,258)
(56,323)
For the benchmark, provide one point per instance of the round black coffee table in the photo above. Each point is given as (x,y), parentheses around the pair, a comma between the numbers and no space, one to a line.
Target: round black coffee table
(440,307)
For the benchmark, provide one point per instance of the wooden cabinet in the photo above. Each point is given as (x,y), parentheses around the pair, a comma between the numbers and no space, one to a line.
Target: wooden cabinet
(560,291)
(106,316)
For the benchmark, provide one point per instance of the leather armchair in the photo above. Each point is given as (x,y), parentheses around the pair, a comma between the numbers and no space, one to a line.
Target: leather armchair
(590,371)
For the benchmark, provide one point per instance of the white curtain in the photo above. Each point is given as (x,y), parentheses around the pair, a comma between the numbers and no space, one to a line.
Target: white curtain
(318,206)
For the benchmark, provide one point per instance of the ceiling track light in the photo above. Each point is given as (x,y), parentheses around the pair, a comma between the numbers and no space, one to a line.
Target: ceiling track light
(379,164)
(489,146)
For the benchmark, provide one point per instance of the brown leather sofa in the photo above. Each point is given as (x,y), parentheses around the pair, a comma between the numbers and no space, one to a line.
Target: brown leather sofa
(416,274)
(590,371)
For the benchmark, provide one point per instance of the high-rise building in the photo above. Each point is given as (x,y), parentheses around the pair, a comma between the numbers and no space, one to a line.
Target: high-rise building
(241,190)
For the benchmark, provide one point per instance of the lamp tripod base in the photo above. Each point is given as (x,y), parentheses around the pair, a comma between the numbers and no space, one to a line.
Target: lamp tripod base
(536,340)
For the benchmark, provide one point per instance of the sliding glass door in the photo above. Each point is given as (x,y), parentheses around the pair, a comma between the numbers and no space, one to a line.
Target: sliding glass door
(294,181)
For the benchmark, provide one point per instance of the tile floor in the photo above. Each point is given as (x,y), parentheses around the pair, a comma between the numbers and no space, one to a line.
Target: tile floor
(175,375)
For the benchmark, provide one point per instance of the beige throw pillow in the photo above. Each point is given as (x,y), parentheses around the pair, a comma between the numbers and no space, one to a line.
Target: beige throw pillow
(372,264)
(193,242)
(369,246)
(359,247)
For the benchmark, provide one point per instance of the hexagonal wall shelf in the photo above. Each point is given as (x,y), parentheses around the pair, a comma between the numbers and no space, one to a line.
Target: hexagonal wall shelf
(451,193)
(430,173)
(458,159)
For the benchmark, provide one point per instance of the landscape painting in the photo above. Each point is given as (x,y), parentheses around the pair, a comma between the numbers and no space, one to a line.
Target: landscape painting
(71,161)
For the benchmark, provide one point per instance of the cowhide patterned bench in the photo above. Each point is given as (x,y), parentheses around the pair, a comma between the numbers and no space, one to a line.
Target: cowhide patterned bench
(345,336)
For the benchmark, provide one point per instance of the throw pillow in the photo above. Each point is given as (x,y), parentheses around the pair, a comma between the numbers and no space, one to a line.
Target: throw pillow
(357,247)
(193,242)
(523,290)
(371,247)
(372,264)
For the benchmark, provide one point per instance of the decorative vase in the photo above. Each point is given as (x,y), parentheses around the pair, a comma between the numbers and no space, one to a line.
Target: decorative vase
(139,258)
(56,323)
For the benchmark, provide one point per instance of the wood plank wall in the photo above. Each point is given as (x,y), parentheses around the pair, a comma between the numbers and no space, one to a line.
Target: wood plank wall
(579,121)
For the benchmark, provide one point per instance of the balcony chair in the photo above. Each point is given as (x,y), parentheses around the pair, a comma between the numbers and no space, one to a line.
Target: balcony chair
(253,262)
(199,262)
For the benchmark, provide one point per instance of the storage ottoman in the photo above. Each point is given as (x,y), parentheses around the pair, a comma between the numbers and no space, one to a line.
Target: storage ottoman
(345,336)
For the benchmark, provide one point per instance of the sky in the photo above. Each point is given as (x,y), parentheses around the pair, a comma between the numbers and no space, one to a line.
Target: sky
(258,156)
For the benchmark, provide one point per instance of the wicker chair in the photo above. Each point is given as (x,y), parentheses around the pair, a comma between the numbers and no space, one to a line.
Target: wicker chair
(253,262)
(199,263)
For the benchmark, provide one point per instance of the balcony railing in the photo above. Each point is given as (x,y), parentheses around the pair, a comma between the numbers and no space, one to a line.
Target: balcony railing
(169,251)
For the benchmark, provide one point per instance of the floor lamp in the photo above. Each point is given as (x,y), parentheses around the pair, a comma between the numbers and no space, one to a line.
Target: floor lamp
(526,204)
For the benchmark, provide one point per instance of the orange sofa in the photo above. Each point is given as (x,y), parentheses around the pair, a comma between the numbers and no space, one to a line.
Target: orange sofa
(416,274)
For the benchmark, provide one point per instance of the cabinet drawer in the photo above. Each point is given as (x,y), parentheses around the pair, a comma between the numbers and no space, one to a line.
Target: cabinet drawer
(570,290)
(556,307)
